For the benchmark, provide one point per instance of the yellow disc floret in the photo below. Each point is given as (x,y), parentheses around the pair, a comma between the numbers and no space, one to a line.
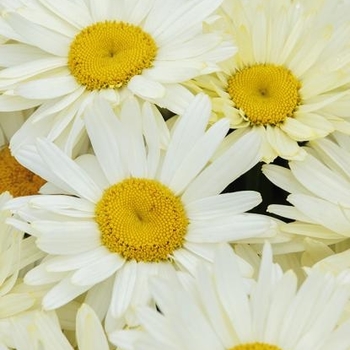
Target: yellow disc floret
(267,94)
(256,346)
(141,219)
(108,54)
(15,178)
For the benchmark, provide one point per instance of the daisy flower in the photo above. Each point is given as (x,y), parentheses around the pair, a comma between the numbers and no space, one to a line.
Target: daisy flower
(289,80)
(221,314)
(131,210)
(319,188)
(68,52)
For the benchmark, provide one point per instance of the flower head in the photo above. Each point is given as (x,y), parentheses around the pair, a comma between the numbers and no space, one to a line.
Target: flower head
(132,209)
(287,83)
(62,55)
(219,312)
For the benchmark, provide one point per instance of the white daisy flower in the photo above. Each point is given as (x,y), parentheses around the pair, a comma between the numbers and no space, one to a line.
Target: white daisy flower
(68,52)
(274,315)
(289,80)
(319,188)
(133,211)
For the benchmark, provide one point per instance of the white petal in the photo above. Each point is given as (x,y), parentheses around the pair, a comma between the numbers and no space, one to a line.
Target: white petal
(48,88)
(212,306)
(74,13)
(68,171)
(168,72)
(186,259)
(62,293)
(13,303)
(101,11)
(105,131)
(223,205)
(297,130)
(89,331)
(220,172)
(97,271)
(152,321)
(283,178)
(321,181)
(198,156)
(123,288)
(9,103)
(231,291)
(192,326)
(146,88)
(177,98)
(76,261)
(181,18)
(29,157)
(36,35)
(323,212)
(134,11)
(38,276)
(67,238)
(283,295)
(229,229)
(17,54)
(152,138)
(284,146)
(189,128)
(135,154)
(59,104)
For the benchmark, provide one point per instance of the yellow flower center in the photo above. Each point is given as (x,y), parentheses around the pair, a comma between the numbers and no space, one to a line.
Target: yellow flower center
(255,346)
(267,94)
(141,219)
(108,54)
(15,178)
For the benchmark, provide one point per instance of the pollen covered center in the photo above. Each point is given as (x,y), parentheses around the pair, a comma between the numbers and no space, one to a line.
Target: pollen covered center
(267,94)
(108,54)
(141,219)
(15,178)
(256,346)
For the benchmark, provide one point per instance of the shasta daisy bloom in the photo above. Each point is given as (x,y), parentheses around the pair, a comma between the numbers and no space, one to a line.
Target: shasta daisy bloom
(289,80)
(319,188)
(221,314)
(131,210)
(68,52)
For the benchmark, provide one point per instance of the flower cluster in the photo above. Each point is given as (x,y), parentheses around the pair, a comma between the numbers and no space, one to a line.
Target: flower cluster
(174,175)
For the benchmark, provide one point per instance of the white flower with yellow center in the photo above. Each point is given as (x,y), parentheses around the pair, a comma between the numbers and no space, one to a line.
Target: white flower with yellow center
(289,80)
(319,188)
(68,52)
(132,209)
(219,313)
